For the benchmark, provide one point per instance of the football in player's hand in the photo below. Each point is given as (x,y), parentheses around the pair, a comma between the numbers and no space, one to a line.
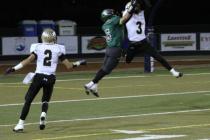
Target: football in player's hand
(9,70)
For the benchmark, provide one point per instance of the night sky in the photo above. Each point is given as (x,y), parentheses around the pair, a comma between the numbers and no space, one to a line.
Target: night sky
(87,12)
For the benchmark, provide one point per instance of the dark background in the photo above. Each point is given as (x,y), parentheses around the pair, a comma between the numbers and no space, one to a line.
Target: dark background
(87,12)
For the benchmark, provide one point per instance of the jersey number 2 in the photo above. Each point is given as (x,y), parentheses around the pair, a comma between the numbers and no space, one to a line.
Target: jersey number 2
(48,57)
(139,31)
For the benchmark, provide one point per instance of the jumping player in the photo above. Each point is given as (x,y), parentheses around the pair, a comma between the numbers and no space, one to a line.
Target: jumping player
(138,42)
(113,27)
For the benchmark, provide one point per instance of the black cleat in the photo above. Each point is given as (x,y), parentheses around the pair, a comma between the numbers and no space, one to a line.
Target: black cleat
(42,123)
(18,130)
(94,93)
(180,75)
(87,91)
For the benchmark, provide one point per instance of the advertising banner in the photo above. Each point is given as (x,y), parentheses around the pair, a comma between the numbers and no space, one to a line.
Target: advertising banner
(21,45)
(178,42)
(93,44)
(204,41)
(70,42)
(17,45)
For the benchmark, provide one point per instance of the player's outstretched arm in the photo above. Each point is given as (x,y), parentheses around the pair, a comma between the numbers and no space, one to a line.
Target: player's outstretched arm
(70,65)
(128,12)
(21,64)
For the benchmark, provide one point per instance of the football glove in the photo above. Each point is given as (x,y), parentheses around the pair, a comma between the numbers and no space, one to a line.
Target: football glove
(9,70)
(132,6)
(133,3)
(80,62)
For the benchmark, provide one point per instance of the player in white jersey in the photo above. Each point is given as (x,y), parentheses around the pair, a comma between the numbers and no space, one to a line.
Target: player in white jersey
(47,55)
(138,42)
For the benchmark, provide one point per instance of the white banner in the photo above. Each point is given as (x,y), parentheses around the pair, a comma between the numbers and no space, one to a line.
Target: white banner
(205,41)
(93,44)
(178,42)
(17,45)
(21,45)
(70,42)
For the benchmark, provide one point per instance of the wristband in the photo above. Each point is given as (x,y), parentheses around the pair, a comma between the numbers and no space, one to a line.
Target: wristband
(18,66)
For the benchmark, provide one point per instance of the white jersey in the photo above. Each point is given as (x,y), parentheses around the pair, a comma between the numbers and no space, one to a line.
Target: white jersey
(47,57)
(136,27)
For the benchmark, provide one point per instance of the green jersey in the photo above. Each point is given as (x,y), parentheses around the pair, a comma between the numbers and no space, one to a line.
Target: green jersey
(114,32)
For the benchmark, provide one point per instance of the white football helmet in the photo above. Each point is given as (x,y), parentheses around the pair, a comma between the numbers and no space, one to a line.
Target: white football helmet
(48,36)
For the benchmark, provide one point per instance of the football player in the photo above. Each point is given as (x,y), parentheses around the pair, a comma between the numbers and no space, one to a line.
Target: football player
(114,30)
(138,42)
(47,55)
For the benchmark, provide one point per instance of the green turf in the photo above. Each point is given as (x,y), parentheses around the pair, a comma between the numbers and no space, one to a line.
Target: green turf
(129,100)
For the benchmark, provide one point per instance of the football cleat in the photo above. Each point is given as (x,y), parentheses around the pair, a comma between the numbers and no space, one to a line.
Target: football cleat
(91,88)
(42,122)
(18,128)
(94,90)
(179,75)
(87,87)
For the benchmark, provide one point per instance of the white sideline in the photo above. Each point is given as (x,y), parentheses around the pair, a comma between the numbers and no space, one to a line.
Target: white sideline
(117,77)
(113,98)
(117,117)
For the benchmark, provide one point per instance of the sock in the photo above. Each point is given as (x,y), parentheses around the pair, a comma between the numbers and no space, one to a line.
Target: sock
(174,72)
(100,74)
(21,122)
(90,84)
(43,114)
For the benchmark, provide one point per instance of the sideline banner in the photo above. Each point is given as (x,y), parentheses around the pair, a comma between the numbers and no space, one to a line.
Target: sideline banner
(21,45)
(93,44)
(204,41)
(70,42)
(17,45)
(178,42)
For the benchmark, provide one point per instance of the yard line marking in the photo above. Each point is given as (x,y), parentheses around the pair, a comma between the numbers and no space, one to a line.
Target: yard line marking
(74,136)
(129,131)
(104,87)
(56,87)
(155,129)
(153,137)
(117,117)
(99,134)
(113,98)
(177,127)
(117,77)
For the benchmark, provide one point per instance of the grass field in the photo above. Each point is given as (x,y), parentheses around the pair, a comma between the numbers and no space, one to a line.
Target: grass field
(132,106)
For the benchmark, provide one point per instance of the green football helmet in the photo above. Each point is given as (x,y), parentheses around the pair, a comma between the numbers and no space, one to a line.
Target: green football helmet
(106,14)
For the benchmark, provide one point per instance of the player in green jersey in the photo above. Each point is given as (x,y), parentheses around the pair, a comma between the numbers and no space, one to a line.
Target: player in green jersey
(113,27)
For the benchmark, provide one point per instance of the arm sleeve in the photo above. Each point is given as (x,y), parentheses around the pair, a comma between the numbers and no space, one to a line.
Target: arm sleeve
(116,20)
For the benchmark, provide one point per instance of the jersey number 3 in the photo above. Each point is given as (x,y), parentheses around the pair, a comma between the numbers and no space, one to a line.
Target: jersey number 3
(48,57)
(139,30)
